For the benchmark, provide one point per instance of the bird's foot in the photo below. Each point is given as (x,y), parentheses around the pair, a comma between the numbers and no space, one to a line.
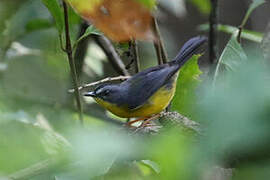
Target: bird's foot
(129,124)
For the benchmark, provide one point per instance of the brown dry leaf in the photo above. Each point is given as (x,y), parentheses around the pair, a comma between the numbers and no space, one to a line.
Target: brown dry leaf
(120,20)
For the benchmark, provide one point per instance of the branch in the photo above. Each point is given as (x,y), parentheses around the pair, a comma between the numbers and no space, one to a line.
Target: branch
(112,55)
(71,62)
(240,29)
(134,47)
(182,121)
(108,79)
(158,53)
(172,117)
(213,46)
(161,48)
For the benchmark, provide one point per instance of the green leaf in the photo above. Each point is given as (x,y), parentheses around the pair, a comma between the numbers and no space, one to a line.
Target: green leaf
(38,24)
(153,165)
(121,48)
(55,10)
(236,113)
(232,56)
(90,30)
(253,5)
(15,26)
(174,153)
(20,146)
(203,5)
(185,96)
(246,34)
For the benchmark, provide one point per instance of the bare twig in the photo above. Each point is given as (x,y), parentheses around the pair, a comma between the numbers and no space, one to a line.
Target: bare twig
(112,55)
(240,29)
(71,62)
(158,53)
(213,45)
(134,47)
(108,79)
(173,117)
(159,45)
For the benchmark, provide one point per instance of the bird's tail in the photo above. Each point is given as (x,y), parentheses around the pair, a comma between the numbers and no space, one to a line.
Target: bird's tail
(188,49)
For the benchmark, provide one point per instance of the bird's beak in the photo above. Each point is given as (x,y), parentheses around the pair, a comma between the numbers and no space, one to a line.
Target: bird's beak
(91,93)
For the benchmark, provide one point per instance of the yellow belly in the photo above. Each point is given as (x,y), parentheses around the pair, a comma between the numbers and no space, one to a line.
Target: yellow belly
(156,103)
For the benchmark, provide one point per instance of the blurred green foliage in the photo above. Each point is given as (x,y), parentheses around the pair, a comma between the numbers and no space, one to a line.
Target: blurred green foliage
(203,5)
(148,3)
(40,137)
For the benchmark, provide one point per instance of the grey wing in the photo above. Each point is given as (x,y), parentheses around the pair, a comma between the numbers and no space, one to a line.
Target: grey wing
(143,85)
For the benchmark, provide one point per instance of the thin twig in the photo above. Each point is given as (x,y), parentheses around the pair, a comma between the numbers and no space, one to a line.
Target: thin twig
(158,53)
(108,79)
(134,47)
(71,62)
(112,55)
(159,45)
(213,45)
(240,29)
(172,117)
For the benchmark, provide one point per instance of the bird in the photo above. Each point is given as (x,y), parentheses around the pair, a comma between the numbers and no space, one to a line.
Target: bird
(148,92)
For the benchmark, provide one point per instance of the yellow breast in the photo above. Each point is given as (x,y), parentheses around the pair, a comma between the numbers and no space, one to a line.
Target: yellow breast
(155,104)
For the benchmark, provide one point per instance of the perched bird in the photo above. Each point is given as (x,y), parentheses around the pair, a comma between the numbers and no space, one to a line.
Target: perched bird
(148,92)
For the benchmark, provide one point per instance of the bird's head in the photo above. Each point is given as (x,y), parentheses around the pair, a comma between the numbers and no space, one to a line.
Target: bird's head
(106,92)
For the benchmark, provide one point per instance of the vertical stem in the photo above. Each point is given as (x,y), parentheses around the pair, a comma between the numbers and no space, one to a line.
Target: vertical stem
(134,47)
(213,47)
(159,45)
(71,62)
(158,53)
(81,49)
(240,29)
